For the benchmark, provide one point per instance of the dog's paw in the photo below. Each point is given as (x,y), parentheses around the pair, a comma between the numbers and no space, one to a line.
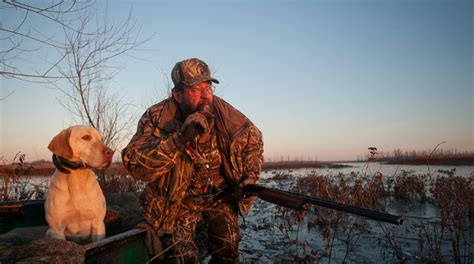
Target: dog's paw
(54,234)
(95,238)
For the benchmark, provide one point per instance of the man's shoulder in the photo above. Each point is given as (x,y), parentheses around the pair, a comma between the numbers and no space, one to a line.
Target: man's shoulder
(162,115)
(233,119)
(226,108)
(160,106)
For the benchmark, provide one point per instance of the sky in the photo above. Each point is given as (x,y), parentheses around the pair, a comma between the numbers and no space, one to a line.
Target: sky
(322,80)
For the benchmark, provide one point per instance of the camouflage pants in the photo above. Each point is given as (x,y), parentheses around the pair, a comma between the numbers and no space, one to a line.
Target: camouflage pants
(222,229)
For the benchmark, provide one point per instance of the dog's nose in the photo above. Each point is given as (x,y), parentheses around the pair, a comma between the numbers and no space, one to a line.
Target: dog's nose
(108,152)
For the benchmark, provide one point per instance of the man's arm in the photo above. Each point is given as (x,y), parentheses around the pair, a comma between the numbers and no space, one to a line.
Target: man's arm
(151,153)
(253,156)
(252,162)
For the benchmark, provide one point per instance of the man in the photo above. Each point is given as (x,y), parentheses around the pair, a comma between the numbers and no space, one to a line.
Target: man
(195,151)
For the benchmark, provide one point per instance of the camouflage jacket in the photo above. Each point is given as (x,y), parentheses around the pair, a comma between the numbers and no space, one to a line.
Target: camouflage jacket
(152,156)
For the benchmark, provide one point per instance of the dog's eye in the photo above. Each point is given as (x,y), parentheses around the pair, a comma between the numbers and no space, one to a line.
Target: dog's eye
(87,137)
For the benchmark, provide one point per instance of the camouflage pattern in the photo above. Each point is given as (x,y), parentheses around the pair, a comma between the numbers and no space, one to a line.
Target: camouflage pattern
(222,227)
(190,72)
(153,156)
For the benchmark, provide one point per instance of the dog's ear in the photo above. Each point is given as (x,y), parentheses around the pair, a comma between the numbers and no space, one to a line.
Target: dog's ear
(59,145)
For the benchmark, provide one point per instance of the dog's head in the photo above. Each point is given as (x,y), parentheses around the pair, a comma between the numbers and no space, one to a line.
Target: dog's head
(83,144)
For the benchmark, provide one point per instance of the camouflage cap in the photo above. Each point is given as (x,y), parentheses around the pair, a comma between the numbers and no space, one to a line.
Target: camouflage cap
(190,72)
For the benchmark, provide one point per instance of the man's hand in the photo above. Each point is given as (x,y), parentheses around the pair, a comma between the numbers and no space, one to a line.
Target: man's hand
(236,192)
(195,124)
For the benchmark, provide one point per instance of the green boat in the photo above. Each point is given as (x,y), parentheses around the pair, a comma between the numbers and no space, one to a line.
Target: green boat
(122,244)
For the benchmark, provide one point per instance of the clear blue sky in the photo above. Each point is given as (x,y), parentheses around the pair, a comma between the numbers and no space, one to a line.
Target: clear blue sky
(324,79)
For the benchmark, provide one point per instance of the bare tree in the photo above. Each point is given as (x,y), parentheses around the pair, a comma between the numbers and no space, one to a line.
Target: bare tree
(90,62)
(23,36)
(82,46)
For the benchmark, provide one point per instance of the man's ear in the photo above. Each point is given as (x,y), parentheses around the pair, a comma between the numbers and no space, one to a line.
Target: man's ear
(178,96)
(59,145)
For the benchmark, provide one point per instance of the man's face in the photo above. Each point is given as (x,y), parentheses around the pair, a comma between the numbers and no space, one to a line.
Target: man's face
(195,98)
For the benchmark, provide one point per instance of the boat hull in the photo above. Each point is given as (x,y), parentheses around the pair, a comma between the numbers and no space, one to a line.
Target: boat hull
(123,246)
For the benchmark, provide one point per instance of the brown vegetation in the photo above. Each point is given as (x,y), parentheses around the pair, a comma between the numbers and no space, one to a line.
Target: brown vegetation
(447,161)
(410,187)
(450,230)
(434,157)
(46,168)
(291,164)
(357,190)
(452,195)
(455,199)
(299,164)
(35,168)
(15,179)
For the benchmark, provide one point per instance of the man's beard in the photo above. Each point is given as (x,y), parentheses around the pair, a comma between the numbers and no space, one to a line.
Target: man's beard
(188,109)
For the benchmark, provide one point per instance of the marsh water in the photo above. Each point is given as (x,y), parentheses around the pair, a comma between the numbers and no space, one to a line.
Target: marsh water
(264,242)
(367,168)
(370,168)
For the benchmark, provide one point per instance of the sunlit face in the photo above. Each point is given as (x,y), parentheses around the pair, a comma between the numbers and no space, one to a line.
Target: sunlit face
(194,98)
(83,144)
(86,144)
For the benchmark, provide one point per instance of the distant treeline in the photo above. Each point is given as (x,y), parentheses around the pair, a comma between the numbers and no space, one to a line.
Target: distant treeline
(291,164)
(298,164)
(416,157)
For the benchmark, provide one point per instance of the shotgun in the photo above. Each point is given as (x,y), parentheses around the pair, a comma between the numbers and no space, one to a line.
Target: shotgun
(299,202)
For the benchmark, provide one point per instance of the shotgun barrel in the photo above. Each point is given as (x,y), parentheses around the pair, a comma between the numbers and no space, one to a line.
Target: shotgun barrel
(299,202)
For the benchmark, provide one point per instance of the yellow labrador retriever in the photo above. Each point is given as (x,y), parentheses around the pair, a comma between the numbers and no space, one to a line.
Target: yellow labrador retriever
(75,205)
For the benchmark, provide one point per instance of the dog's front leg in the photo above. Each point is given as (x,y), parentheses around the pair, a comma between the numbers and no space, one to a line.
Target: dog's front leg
(98,230)
(57,226)
(57,234)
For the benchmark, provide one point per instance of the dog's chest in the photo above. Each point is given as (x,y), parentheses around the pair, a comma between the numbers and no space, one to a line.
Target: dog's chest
(83,183)
(81,191)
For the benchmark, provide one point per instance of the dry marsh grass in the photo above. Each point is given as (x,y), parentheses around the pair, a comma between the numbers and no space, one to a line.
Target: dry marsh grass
(451,230)
(447,237)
